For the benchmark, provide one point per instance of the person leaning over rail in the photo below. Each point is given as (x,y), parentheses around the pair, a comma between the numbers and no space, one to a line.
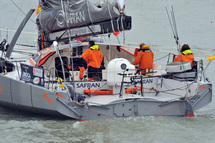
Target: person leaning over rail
(144,58)
(93,56)
(185,55)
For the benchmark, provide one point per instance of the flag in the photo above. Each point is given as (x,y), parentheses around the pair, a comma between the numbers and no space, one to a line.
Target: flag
(210,58)
(116,33)
(39,8)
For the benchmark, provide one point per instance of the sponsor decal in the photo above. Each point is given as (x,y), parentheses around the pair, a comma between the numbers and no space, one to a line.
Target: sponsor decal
(60,18)
(26,76)
(87,85)
(77,17)
(32,75)
(60,95)
(73,17)
(36,80)
(147,81)
(42,82)
(46,96)
(204,87)
(38,72)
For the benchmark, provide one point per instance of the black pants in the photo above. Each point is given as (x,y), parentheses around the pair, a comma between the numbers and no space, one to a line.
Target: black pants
(92,72)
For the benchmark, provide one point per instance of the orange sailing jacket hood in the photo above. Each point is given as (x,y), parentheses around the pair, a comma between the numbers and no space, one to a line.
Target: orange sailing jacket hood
(93,56)
(145,59)
(184,58)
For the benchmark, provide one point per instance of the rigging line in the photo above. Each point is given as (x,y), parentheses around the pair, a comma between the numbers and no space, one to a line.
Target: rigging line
(175,33)
(89,12)
(101,113)
(90,19)
(174,24)
(29,4)
(174,106)
(122,24)
(162,57)
(16,18)
(24,32)
(66,13)
(188,89)
(23,52)
(179,88)
(111,17)
(169,109)
(177,40)
(185,87)
(21,10)
(91,30)
(170,21)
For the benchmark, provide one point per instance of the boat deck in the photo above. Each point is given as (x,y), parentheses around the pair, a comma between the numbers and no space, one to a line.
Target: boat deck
(152,96)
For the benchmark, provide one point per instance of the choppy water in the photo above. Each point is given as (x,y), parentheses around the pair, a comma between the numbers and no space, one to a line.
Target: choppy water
(150,25)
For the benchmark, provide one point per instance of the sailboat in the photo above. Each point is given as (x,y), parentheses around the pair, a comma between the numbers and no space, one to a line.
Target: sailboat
(43,83)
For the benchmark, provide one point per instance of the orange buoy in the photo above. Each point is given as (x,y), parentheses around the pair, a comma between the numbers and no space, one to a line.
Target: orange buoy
(130,90)
(98,92)
(107,92)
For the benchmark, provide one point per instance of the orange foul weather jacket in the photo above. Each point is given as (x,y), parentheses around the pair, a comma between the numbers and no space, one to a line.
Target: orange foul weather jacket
(144,59)
(93,57)
(184,58)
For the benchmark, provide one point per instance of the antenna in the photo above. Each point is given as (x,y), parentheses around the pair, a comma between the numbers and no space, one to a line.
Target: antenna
(172,22)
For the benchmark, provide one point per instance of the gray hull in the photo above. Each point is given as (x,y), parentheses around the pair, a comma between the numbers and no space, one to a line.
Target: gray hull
(24,96)
(19,95)
(135,107)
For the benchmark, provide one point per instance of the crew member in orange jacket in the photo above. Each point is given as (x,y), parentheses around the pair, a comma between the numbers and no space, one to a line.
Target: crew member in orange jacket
(93,56)
(145,58)
(185,55)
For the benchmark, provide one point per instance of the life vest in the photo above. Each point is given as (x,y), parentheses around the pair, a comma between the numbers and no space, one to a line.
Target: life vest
(93,56)
(184,58)
(145,59)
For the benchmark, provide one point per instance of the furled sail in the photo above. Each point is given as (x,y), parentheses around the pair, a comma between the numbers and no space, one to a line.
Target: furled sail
(81,16)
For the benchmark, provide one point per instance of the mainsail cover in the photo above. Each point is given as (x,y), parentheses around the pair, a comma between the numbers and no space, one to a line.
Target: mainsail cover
(78,13)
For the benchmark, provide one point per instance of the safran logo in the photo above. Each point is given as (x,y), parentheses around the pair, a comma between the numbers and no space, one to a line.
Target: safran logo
(60,18)
(72,17)
(36,80)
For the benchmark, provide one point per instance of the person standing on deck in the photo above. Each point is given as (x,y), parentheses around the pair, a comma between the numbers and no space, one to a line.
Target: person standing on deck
(185,55)
(145,58)
(94,58)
